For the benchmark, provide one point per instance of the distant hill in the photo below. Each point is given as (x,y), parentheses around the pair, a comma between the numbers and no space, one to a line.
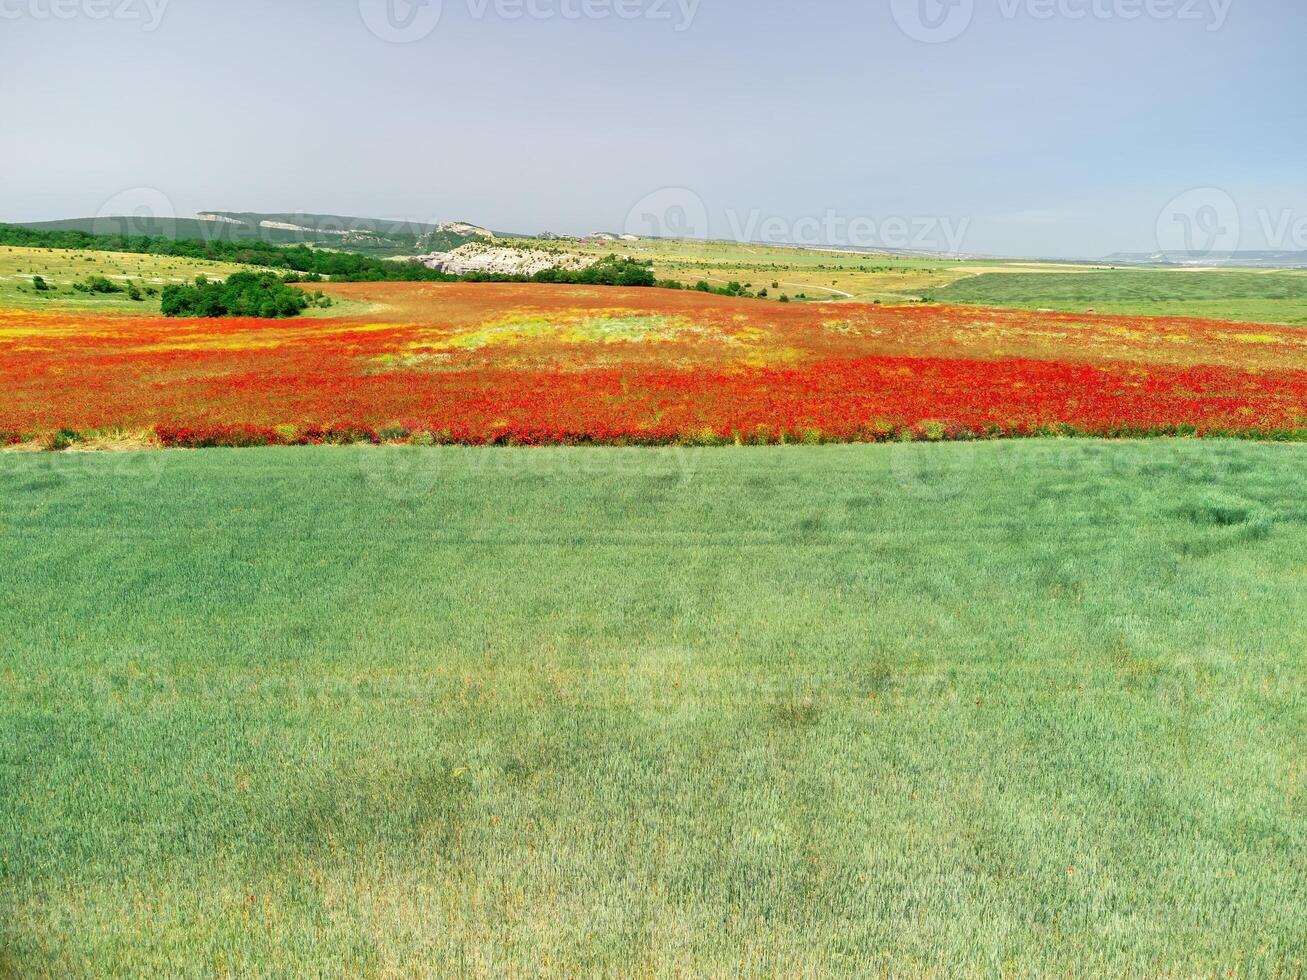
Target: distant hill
(1239,260)
(371,236)
(175,228)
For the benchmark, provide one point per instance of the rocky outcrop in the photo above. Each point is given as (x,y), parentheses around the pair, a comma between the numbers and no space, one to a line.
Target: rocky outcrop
(221,219)
(466,229)
(503,260)
(287,226)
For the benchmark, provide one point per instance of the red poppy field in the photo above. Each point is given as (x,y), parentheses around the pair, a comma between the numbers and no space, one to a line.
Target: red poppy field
(540,364)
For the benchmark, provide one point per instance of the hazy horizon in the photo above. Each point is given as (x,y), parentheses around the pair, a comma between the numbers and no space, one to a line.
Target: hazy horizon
(1033,128)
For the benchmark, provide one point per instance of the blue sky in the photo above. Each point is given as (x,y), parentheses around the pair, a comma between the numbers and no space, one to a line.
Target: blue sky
(1044,127)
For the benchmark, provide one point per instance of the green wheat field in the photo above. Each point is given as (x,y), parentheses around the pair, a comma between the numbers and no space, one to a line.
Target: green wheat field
(1010,709)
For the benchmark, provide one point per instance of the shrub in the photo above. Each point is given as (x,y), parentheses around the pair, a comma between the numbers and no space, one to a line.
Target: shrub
(609,271)
(61,440)
(97,284)
(250,294)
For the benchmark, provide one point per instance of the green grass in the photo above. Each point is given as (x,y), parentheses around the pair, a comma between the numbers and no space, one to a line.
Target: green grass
(62,267)
(764,712)
(1263,296)
(1253,297)
(826,276)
